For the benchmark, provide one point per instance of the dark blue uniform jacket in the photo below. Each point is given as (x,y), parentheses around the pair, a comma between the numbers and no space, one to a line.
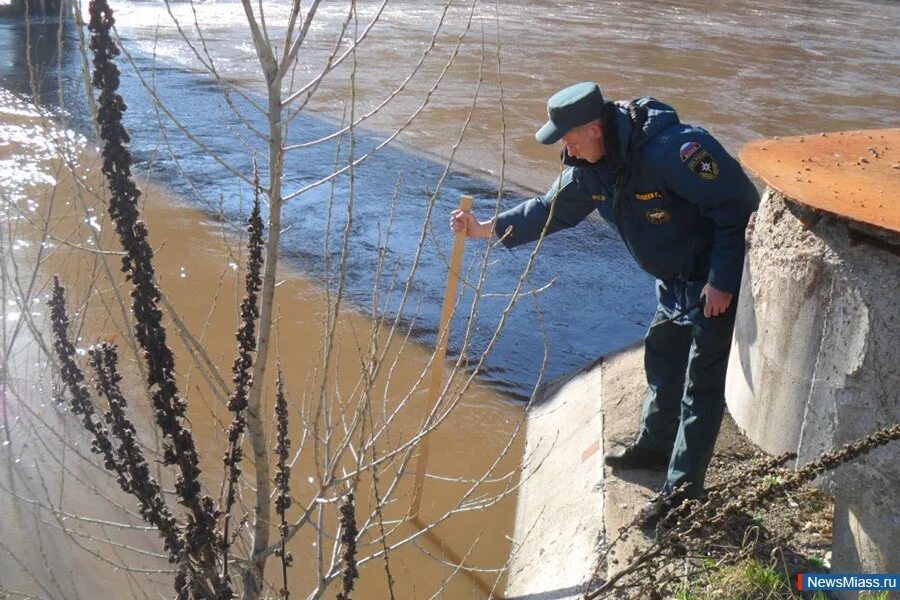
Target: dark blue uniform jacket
(678,200)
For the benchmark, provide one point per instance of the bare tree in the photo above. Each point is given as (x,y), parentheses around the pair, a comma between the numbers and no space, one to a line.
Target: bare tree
(351,428)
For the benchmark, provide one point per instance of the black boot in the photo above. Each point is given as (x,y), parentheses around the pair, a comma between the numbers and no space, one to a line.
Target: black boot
(636,457)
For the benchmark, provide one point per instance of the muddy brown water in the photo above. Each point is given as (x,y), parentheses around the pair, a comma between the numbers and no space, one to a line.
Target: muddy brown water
(745,70)
(197,267)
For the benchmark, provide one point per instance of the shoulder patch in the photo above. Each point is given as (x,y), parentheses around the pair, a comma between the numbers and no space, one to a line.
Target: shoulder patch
(687,150)
(704,165)
(699,160)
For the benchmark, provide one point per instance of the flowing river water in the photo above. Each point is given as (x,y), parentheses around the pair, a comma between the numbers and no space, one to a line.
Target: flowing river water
(742,69)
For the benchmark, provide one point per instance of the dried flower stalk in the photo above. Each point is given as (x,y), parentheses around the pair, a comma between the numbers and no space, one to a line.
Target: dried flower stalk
(134,474)
(199,536)
(243,363)
(348,539)
(283,500)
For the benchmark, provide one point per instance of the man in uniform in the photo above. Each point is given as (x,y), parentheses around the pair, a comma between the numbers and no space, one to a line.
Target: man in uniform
(681,204)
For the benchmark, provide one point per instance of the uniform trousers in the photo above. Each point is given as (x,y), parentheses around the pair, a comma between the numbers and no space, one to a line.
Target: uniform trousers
(685,362)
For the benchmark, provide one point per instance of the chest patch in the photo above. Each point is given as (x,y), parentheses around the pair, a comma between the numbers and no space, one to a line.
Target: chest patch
(658,216)
(599,197)
(648,196)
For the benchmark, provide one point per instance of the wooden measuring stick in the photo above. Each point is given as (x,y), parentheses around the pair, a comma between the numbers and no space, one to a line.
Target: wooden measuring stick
(440,353)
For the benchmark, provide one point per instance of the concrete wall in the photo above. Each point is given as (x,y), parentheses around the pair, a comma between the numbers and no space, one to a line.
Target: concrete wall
(559,510)
(816,363)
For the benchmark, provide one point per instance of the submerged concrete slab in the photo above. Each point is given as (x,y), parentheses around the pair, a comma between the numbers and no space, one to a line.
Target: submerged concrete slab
(559,514)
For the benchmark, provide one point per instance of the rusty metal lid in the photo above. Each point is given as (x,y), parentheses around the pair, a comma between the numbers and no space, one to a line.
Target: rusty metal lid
(854,174)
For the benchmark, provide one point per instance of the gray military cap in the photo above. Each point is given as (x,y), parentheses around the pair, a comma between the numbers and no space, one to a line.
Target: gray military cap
(568,108)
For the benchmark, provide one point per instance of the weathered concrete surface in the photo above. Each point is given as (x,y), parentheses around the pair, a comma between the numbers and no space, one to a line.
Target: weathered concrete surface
(623,389)
(559,513)
(569,510)
(816,364)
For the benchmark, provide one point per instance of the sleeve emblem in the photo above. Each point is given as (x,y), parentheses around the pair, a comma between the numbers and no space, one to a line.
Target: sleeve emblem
(688,149)
(699,161)
(704,165)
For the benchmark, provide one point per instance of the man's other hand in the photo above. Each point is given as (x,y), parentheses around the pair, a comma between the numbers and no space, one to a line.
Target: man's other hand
(717,301)
(463,221)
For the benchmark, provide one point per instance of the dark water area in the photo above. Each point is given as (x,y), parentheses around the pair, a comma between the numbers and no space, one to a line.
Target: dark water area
(37,44)
(592,298)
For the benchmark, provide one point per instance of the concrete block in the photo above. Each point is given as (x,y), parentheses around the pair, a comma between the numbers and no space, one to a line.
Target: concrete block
(815,364)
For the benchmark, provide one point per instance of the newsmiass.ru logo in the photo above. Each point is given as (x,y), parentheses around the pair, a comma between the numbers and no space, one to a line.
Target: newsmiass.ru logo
(848,581)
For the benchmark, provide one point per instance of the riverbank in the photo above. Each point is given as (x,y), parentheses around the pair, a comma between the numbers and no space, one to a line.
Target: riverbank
(576,518)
